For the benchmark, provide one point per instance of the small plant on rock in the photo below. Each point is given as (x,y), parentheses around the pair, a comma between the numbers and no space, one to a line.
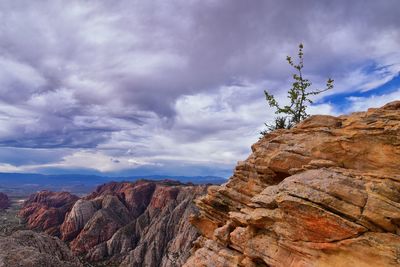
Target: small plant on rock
(299,96)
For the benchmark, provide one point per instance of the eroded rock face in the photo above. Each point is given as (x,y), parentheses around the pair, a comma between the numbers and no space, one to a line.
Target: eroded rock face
(144,223)
(136,224)
(163,233)
(4,201)
(30,249)
(325,193)
(45,210)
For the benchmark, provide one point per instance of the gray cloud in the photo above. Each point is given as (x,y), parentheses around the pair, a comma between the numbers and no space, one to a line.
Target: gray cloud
(149,76)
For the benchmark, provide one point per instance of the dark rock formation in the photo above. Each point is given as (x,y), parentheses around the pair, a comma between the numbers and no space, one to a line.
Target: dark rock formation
(30,249)
(4,201)
(325,193)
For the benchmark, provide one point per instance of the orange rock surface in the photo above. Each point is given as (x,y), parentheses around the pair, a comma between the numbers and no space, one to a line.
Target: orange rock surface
(325,193)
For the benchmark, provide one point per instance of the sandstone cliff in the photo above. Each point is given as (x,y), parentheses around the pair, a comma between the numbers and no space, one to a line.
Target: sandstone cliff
(143,223)
(325,193)
(30,249)
(4,201)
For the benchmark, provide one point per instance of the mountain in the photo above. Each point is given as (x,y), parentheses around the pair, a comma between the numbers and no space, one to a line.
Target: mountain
(142,223)
(324,193)
(26,183)
(45,211)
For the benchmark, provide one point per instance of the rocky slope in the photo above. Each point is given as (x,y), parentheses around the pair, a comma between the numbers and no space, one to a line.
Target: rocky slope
(30,249)
(325,193)
(45,211)
(4,201)
(143,223)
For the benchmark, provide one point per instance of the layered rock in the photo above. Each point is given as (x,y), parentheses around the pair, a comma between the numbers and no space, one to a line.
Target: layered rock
(144,223)
(163,234)
(4,201)
(45,210)
(30,249)
(325,193)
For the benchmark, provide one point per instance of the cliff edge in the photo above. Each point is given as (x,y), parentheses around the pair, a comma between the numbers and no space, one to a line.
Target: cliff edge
(325,193)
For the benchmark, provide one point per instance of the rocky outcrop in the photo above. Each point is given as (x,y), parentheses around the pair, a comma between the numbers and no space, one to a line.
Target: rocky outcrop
(163,233)
(325,193)
(30,249)
(144,223)
(4,201)
(45,210)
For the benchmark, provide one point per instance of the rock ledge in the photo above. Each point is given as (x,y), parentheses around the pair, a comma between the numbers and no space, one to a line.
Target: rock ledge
(325,193)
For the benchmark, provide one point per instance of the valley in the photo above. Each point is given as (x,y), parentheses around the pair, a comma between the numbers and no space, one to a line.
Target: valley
(9,221)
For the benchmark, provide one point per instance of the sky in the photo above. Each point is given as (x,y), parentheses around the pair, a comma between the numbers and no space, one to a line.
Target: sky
(176,87)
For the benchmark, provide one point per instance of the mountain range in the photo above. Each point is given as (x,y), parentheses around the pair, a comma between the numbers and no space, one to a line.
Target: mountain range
(25,183)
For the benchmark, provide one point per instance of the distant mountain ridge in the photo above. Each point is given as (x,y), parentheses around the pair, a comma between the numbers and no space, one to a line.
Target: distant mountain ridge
(20,183)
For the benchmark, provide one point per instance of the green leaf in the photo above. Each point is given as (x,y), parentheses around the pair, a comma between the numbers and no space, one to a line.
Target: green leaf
(298,96)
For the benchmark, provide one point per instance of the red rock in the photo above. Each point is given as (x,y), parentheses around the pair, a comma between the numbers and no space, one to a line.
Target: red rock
(45,211)
(141,223)
(162,196)
(136,196)
(138,224)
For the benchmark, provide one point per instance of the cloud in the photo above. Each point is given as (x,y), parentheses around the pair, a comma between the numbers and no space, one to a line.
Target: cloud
(373,101)
(18,79)
(4,167)
(171,83)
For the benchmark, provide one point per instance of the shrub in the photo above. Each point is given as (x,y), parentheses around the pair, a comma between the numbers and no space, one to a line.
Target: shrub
(299,96)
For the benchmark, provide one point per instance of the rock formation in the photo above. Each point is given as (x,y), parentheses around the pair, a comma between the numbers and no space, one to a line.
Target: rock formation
(4,201)
(30,249)
(324,193)
(143,223)
(45,211)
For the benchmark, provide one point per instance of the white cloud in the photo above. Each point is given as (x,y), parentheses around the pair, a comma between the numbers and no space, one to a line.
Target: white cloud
(374,101)
(59,100)
(84,159)
(127,84)
(4,167)
(14,73)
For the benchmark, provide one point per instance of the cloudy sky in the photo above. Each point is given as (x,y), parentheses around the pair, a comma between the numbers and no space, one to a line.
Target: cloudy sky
(176,87)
